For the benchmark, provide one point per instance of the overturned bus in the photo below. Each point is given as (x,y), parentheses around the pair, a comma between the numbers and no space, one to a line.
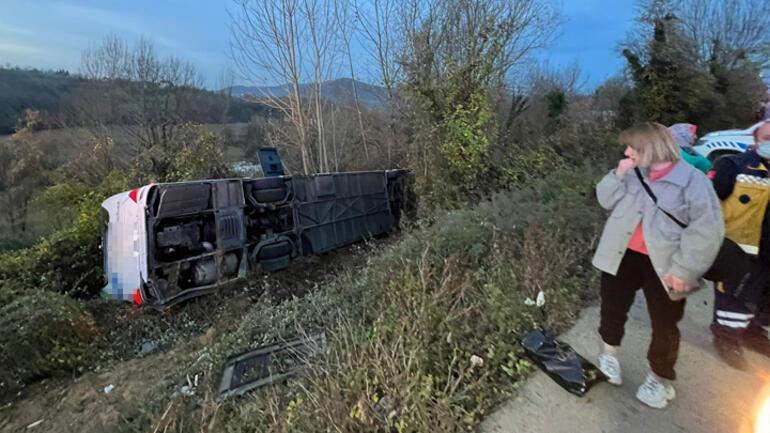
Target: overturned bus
(165,243)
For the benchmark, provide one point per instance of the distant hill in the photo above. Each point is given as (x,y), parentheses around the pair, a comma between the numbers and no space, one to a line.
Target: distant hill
(53,93)
(21,89)
(339,91)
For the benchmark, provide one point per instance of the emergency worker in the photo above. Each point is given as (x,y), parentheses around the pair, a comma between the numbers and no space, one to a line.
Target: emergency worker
(742,183)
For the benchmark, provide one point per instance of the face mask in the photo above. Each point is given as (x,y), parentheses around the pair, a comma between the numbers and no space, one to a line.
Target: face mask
(763,149)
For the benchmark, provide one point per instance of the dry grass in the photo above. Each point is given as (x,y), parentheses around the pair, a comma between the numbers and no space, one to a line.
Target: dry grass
(424,338)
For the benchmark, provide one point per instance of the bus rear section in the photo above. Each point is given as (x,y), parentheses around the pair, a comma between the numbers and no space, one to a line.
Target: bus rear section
(124,244)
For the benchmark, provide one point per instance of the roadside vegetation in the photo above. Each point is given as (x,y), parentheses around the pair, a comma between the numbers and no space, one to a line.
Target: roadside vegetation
(425,337)
(424,328)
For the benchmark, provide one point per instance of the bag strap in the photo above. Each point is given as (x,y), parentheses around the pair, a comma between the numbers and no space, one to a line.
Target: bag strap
(655,199)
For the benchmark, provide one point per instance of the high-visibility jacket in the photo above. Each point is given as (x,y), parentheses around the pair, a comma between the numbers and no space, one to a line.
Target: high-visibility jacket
(742,183)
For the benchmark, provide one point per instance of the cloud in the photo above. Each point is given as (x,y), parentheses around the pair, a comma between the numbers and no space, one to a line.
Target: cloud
(48,33)
(15,30)
(19,48)
(120,22)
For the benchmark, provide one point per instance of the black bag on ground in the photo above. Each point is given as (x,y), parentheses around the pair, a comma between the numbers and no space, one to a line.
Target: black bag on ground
(560,361)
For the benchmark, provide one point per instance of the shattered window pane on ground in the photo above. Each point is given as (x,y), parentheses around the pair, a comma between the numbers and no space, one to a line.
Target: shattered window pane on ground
(269,364)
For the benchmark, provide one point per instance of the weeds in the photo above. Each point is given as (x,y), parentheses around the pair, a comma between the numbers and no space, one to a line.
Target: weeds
(425,337)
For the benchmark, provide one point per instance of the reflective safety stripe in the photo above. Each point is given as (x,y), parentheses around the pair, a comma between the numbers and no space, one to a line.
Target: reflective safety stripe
(736,316)
(750,249)
(733,323)
(747,178)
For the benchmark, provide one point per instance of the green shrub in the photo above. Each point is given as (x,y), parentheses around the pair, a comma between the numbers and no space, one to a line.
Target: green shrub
(70,260)
(56,207)
(199,156)
(195,152)
(589,145)
(412,320)
(521,166)
(42,334)
(564,198)
(466,144)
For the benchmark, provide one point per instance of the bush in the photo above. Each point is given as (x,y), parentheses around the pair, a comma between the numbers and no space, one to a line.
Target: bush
(564,198)
(199,156)
(70,260)
(519,166)
(57,205)
(42,334)
(195,152)
(428,336)
(467,137)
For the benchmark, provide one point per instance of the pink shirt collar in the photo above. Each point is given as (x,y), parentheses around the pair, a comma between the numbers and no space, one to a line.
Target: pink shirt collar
(660,169)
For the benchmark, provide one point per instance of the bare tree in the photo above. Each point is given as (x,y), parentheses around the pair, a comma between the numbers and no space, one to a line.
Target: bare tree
(23,172)
(109,61)
(383,40)
(727,29)
(266,46)
(286,43)
(323,29)
(456,51)
(347,32)
(225,83)
(485,37)
(136,91)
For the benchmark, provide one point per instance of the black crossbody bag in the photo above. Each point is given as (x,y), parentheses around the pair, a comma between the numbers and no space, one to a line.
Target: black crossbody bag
(655,198)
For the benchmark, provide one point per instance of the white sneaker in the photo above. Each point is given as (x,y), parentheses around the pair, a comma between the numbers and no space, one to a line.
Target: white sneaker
(610,366)
(654,393)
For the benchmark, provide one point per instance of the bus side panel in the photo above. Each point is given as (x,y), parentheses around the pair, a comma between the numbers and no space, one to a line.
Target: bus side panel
(341,208)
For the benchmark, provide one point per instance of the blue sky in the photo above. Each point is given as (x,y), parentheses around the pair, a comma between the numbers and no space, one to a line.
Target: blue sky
(52,33)
(590,35)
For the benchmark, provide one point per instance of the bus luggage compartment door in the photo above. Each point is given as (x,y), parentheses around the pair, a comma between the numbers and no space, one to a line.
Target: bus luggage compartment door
(341,208)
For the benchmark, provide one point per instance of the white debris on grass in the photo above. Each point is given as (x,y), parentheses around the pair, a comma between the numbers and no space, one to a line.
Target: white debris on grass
(35,424)
(189,389)
(476,361)
(538,302)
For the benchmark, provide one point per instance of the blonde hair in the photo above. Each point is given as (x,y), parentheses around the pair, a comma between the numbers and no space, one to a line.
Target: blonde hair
(652,141)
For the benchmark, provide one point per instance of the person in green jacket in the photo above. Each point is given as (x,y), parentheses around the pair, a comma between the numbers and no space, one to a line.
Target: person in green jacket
(685,135)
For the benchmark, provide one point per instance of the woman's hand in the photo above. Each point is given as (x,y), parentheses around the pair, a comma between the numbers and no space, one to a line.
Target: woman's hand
(676,284)
(624,165)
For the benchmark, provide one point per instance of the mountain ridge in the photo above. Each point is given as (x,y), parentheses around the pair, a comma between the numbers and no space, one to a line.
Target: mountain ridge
(338,91)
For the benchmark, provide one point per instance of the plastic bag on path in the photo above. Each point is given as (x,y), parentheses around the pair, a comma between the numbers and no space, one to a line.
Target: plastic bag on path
(560,361)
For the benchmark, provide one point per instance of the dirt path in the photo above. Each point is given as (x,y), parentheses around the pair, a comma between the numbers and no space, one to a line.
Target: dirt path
(712,397)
